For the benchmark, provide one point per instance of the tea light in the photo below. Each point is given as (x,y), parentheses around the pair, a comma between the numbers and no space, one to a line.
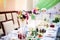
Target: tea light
(13,38)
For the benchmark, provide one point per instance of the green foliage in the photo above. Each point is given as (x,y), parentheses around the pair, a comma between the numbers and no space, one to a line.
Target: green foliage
(46,3)
(56,20)
(32,16)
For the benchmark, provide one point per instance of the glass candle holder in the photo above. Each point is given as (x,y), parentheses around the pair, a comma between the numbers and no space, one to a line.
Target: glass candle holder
(52,26)
(20,36)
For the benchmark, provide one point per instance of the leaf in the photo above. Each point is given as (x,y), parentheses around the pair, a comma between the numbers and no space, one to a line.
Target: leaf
(46,3)
(32,16)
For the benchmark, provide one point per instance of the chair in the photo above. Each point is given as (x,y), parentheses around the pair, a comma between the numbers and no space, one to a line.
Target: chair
(8,26)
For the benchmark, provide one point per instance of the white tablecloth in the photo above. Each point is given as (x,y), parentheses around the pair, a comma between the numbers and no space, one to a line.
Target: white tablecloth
(49,35)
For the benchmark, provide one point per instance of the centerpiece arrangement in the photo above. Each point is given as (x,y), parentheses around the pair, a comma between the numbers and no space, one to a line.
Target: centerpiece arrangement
(38,22)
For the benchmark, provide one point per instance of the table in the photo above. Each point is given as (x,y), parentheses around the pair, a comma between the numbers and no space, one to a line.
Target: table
(50,34)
